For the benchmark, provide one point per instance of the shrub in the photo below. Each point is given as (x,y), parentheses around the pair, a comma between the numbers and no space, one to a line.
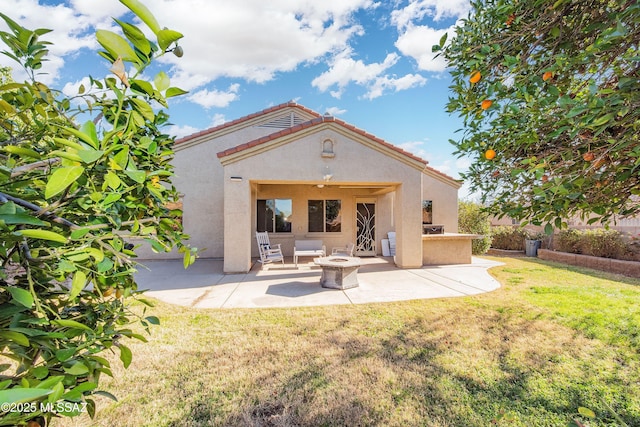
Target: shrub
(71,196)
(508,237)
(598,242)
(473,219)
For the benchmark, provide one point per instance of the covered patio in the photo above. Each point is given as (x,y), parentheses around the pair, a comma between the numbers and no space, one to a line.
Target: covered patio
(205,285)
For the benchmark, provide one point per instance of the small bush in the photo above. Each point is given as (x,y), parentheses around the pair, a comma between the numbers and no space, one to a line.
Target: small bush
(508,238)
(598,242)
(472,219)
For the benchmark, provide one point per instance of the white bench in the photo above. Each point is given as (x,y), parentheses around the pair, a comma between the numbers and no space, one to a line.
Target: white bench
(308,248)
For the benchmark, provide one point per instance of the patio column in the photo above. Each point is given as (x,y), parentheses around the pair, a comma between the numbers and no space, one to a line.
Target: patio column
(237,224)
(409,223)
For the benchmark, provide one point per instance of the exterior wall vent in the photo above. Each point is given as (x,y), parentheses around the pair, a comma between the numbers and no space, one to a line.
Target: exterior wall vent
(283,122)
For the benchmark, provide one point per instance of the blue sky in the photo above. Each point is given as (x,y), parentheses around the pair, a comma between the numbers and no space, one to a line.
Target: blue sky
(368,63)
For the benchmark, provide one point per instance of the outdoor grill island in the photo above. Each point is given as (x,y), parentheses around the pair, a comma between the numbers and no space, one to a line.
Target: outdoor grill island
(338,272)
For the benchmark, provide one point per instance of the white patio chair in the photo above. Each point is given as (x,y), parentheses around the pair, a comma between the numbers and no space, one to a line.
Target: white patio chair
(268,253)
(345,251)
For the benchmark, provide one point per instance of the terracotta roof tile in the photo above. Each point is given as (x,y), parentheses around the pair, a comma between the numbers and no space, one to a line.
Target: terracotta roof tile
(299,127)
(315,122)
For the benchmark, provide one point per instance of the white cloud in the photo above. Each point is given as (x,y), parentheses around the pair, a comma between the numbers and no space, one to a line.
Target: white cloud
(344,70)
(383,83)
(215,98)
(335,111)
(415,39)
(417,148)
(416,42)
(73,29)
(437,10)
(180,131)
(218,119)
(254,39)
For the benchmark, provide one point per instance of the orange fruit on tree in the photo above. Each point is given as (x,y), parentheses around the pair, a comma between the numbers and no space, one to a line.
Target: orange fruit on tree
(510,19)
(475,77)
(547,75)
(490,154)
(486,104)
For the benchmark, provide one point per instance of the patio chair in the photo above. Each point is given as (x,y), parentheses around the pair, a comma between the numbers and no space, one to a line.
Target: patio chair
(345,251)
(268,253)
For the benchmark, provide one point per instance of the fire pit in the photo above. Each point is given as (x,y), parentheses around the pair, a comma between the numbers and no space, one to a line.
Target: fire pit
(338,272)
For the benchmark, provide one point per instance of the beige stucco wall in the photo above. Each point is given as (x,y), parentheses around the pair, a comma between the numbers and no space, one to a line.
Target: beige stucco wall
(291,167)
(199,177)
(299,161)
(445,201)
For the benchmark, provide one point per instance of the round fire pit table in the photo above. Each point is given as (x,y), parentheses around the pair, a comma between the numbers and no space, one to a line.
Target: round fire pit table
(338,272)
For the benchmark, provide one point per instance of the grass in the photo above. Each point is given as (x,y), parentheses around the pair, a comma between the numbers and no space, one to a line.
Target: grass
(551,340)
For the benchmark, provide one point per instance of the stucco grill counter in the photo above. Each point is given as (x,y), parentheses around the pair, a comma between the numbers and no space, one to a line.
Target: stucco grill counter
(338,272)
(447,248)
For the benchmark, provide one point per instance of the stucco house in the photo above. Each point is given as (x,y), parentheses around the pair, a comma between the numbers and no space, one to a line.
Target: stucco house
(298,174)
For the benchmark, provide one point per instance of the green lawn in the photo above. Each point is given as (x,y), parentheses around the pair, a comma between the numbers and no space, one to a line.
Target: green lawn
(551,340)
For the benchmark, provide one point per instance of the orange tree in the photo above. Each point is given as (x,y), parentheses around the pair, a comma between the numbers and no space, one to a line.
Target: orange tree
(549,94)
(73,198)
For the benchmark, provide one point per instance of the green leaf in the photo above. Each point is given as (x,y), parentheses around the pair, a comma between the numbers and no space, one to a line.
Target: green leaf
(443,39)
(22,152)
(603,120)
(136,37)
(42,235)
(79,233)
(67,323)
(125,355)
(174,91)
(40,372)
(106,394)
(122,158)
(141,11)
(77,284)
(65,353)
(586,412)
(51,382)
(166,37)
(90,156)
(112,180)
(16,337)
(22,218)
(117,46)
(62,178)
(21,296)
(89,129)
(21,395)
(77,369)
(161,80)
(137,176)
(153,320)
(143,108)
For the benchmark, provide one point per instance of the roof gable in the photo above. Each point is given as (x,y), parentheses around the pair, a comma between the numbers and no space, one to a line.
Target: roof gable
(267,118)
(253,147)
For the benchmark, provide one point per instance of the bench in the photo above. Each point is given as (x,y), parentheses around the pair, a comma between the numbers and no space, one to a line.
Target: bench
(303,248)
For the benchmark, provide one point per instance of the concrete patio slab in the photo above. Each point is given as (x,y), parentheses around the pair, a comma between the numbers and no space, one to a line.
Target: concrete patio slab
(204,285)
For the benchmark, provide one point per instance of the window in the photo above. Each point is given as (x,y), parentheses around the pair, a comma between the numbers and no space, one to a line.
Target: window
(427,212)
(325,216)
(273,215)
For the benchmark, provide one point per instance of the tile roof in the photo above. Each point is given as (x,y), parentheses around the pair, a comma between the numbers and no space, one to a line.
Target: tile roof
(244,119)
(315,122)
(319,119)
